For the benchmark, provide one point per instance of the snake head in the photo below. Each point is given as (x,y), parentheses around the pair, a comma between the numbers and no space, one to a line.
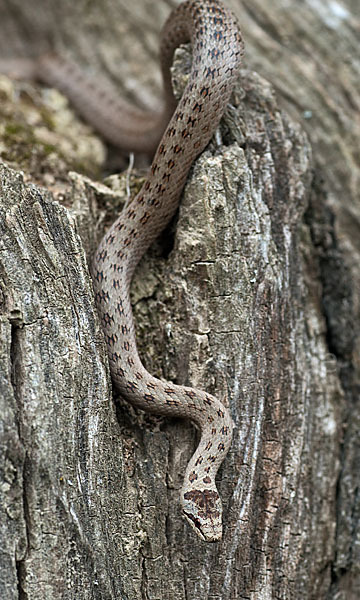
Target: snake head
(203,511)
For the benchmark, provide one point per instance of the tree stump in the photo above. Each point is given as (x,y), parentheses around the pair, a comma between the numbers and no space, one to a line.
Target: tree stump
(252,293)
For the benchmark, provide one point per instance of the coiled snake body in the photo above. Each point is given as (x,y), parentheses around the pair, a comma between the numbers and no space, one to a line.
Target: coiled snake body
(217,49)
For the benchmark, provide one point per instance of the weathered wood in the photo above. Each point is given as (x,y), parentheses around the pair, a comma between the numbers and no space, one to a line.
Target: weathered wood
(246,298)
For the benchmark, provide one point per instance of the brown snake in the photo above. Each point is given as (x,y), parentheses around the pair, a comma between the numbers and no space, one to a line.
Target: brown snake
(217,50)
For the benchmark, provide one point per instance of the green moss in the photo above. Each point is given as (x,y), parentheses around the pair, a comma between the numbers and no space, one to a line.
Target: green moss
(14,128)
(29,136)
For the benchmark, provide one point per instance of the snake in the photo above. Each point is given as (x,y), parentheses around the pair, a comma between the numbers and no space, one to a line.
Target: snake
(185,129)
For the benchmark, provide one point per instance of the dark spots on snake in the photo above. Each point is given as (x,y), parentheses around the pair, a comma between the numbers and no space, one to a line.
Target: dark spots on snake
(134,233)
(124,329)
(154,202)
(161,149)
(102,297)
(207,469)
(116,284)
(195,74)
(166,177)
(193,476)
(169,391)
(147,186)
(154,168)
(204,92)
(207,480)
(191,121)
(160,189)
(209,72)
(127,242)
(110,238)
(119,226)
(179,115)
(114,357)
(144,219)
(131,213)
(151,386)
(171,132)
(208,446)
(177,149)
(131,386)
(99,276)
(130,361)
(126,346)
(197,144)
(190,394)
(196,407)
(120,372)
(171,163)
(120,254)
(211,458)
(229,70)
(210,419)
(120,308)
(207,400)
(149,398)
(140,200)
(213,431)
(214,53)
(138,376)
(198,461)
(197,108)
(111,339)
(101,255)
(185,133)
(221,447)
(221,413)
(108,319)
(224,430)
(218,21)
(170,402)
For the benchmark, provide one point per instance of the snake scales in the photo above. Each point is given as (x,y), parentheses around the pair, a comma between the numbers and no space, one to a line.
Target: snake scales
(217,50)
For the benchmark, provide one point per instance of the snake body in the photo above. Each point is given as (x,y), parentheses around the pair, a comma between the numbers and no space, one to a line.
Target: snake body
(217,50)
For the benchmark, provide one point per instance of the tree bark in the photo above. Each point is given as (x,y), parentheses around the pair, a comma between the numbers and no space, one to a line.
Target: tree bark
(253,294)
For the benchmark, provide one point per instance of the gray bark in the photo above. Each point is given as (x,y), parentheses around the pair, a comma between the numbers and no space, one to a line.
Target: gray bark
(253,294)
